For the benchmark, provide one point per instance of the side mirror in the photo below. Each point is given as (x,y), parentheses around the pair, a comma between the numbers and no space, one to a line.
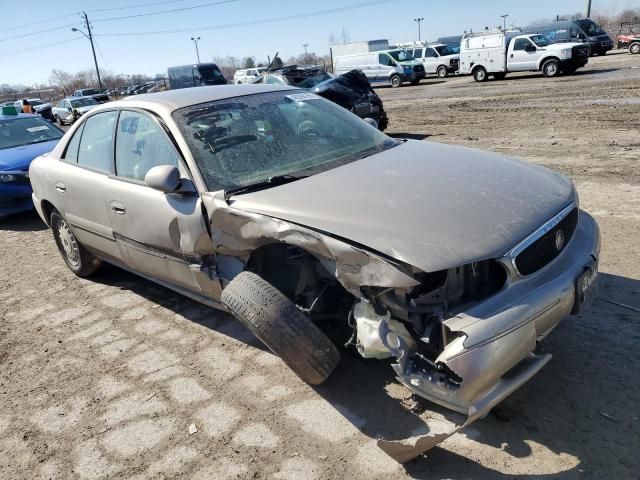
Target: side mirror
(166,178)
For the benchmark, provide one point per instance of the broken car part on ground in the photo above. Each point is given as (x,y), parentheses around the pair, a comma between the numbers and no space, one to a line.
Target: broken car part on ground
(315,229)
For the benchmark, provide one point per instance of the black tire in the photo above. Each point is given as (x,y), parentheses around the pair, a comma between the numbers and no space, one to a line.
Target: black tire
(442,71)
(551,68)
(415,82)
(77,258)
(480,74)
(634,48)
(59,121)
(395,81)
(499,75)
(281,326)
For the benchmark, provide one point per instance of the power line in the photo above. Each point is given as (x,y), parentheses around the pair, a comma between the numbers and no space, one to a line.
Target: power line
(164,11)
(252,22)
(38,47)
(134,6)
(38,32)
(41,21)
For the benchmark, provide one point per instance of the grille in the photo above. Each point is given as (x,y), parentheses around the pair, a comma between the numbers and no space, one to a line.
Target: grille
(580,52)
(544,250)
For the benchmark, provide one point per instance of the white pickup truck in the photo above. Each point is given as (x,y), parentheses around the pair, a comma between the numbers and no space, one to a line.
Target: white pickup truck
(500,52)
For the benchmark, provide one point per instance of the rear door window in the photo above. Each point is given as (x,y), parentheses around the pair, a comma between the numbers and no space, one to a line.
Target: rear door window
(96,144)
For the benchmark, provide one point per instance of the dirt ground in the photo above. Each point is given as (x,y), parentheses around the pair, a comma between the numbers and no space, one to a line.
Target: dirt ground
(103,378)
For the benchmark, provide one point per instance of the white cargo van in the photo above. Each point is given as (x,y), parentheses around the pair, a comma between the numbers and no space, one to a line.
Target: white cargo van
(438,59)
(499,52)
(384,66)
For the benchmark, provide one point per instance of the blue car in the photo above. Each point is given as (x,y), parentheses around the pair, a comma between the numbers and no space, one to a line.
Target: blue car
(23,137)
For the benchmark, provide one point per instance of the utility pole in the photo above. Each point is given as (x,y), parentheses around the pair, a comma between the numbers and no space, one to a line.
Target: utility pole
(588,8)
(195,40)
(419,19)
(305,45)
(504,21)
(89,35)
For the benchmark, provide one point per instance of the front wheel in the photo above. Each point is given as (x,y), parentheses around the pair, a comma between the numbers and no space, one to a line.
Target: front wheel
(281,326)
(551,68)
(480,74)
(395,81)
(77,258)
(442,71)
(58,120)
(634,48)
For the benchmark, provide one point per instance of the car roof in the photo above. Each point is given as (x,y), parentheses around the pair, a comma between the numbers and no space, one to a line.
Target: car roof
(78,98)
(20,115)
(171,100)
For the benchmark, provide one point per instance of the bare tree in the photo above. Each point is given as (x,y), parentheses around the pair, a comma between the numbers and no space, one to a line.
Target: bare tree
(249,62)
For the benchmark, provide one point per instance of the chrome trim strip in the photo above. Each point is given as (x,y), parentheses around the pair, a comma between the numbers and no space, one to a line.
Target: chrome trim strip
(515,251)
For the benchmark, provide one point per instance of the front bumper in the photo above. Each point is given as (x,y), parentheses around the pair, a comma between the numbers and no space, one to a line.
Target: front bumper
(15,198)
(493,350)
(573,63)
(412,77)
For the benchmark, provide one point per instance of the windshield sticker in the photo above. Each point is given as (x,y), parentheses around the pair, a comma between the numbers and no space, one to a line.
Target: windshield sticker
(301,97)
(37,129)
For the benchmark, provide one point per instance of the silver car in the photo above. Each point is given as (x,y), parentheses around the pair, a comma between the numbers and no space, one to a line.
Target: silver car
(301,219)
(68,110)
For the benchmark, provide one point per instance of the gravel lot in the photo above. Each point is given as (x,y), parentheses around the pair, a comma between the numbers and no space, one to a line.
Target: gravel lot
(103,378)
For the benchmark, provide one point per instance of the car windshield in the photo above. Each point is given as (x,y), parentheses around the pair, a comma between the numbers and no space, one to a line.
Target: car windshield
(90,91)
(311,81)
(35,103)
(15,132)
(401,55)
(83,102)
(246,140)
(540,40)
(445,50)
(210,74)
(590,27)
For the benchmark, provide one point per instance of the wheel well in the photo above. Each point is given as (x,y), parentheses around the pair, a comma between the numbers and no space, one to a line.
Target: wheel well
(302,278)
(47,209)
(547,59)
(476,67)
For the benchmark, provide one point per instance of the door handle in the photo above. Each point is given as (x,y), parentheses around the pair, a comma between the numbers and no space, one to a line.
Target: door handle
(61,187)
(117,207)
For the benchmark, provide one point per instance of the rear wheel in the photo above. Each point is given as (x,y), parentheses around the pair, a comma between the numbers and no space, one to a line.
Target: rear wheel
(77,258)
(480,74)
(281,326)
(551,68)
(442,71)
(395,81)
(634,48)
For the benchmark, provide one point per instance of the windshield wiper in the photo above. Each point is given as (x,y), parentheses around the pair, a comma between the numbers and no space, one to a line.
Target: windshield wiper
(270,182)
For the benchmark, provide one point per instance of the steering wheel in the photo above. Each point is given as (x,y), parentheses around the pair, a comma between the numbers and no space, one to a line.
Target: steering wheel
(308,128)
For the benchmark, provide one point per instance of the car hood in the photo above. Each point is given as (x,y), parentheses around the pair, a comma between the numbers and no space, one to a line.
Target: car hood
(429,205)
(563,45)
(85,109)
(19,158)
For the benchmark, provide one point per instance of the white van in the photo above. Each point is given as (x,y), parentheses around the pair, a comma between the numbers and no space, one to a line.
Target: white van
(389,66)
(438,59)
(247,75)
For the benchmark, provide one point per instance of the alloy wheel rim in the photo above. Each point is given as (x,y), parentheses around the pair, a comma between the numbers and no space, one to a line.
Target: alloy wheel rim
(69,243)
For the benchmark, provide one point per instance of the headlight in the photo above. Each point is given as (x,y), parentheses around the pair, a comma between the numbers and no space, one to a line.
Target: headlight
(7,177)
(566,52)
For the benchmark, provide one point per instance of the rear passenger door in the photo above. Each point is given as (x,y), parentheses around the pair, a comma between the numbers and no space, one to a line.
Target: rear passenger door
(163,236)
(81,179)
(431,60)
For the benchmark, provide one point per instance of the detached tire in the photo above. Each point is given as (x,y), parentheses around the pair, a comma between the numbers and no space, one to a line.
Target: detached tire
(77,258)
(281,326)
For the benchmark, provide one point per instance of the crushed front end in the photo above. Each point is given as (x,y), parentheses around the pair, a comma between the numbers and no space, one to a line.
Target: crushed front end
(465,337)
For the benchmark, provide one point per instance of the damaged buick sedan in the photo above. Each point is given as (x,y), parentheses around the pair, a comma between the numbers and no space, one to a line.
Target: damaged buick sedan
(314,229)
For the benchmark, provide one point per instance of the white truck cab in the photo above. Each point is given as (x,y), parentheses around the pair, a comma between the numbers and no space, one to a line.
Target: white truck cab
(499,52)
(247,75)
(438,59)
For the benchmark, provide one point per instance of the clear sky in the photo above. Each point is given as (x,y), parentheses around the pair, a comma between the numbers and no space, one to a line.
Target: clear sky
(222,33)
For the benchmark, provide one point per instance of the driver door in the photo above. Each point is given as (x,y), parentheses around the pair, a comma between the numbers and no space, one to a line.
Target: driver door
(524,56)
(160,235)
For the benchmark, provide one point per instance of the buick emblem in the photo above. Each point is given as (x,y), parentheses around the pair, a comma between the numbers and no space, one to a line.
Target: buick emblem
(559,239)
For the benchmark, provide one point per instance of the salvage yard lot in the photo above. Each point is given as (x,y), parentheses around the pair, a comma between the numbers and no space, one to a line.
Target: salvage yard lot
(103,378)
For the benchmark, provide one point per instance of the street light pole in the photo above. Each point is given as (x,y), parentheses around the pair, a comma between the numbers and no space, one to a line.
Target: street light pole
(419,19)
(504,21)
(195,40)
(588,8)
(305,45)
(93,50)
